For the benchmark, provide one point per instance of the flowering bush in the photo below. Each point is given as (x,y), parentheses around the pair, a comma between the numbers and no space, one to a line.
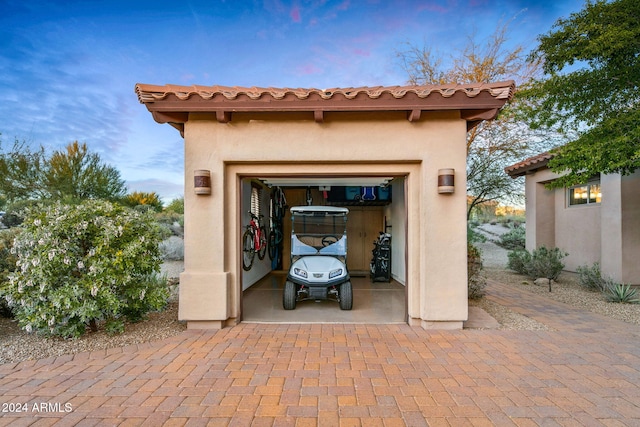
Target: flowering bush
(84,264)
(7,264)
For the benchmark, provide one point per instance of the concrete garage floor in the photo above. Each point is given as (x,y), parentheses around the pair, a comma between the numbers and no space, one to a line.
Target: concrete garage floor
(373,303)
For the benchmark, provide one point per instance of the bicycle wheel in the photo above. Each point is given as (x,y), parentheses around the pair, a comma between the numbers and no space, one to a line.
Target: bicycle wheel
(272,244)
(262,249)
(278,236)
(248,252)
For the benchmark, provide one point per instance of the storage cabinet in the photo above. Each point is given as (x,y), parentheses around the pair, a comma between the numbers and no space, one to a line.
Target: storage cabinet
(363,227)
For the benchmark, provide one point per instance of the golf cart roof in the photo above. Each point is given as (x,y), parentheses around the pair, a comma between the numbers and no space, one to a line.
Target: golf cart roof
(319,210)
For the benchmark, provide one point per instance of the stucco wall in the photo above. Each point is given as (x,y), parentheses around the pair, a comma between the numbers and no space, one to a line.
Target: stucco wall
(397,217)
(577,232)
(630,189)
(260,267)
(607,233)
(540,208)
(621,227)
(356,144)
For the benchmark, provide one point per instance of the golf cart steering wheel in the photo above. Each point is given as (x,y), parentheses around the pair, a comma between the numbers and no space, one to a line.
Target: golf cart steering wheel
(329,240)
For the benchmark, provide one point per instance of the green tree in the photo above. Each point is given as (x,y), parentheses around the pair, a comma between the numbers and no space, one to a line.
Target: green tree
(141,198)
(78,174)
(21,173)
(491,145)
(72,173)
(590,90)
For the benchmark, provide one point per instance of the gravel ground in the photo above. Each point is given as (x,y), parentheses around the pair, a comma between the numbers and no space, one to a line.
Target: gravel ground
(566,290)
(18,346)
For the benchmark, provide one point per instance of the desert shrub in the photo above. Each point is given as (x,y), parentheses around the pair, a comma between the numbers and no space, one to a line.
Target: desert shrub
(473,236)
(620,292)
(513,239)
(82,265)
(173,222)
(172,249)
(476,281)
(591,277)
(540,263)
(519,261)
(546,263)
(176,206)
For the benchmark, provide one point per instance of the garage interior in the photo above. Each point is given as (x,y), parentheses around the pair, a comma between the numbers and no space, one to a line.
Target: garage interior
(370,201)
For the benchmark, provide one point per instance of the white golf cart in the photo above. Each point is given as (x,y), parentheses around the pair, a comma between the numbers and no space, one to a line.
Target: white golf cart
(318,257)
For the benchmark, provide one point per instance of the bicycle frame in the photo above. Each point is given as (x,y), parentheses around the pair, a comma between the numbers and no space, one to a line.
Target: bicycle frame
(258,239)
(254,241)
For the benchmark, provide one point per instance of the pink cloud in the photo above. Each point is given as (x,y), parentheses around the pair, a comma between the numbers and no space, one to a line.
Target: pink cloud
(344,5)
(430,7)
(187,77)
(308,69)
(361,52)
(295,14)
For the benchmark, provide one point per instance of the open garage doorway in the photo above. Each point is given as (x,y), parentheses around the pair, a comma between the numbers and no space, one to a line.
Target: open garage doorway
(377,208)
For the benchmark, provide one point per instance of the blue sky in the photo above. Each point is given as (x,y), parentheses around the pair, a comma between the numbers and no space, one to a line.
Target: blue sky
(68,68)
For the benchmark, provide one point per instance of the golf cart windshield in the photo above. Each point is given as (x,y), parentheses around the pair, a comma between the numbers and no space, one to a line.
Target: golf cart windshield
(319,230)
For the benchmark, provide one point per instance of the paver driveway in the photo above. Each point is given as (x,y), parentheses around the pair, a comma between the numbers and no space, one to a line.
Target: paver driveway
(586,373)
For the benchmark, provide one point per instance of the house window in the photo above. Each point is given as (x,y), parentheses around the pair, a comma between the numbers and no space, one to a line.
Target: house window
(587,194)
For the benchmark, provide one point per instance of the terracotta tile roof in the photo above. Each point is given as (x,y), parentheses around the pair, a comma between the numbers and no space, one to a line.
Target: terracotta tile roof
(151,93)
(172,104)
(528,165)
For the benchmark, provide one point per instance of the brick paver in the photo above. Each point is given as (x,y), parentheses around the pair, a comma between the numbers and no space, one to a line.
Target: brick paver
(584,373)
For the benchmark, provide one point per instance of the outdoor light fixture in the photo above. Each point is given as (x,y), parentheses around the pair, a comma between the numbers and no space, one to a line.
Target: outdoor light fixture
(202,182)
(446,181)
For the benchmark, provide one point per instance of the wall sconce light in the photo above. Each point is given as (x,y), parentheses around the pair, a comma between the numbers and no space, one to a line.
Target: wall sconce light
(446,181)
(202,182)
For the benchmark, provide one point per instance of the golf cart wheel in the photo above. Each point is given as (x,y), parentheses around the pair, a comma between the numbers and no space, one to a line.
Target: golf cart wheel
(346,296)
(289,296)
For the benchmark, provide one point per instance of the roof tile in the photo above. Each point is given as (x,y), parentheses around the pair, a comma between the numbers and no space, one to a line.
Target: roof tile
(531,164)
(150,93)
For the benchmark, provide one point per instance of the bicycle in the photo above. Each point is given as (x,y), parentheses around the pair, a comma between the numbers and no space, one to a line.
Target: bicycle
(275,238)
(254,240)
(278,205)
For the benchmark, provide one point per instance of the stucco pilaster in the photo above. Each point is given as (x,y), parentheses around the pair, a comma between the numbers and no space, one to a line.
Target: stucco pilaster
(621,227)
(630,228)
(611,227)
(443,232)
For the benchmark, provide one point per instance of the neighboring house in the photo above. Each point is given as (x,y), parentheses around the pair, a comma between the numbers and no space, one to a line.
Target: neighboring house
(239,141)
(595,222)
